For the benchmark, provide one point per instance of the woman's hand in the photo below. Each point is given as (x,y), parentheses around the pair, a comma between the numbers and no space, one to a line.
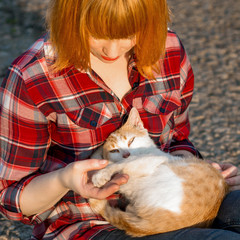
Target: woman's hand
(77,177)
(228,170)
(46,190)
(230,173)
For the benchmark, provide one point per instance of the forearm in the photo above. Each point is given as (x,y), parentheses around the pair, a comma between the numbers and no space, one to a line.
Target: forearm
(45,191)
(42,193)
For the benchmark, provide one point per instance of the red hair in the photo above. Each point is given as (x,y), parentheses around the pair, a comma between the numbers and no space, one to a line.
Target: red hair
(71,22)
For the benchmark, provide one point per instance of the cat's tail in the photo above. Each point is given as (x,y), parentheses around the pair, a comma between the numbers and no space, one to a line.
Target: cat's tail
(125,220)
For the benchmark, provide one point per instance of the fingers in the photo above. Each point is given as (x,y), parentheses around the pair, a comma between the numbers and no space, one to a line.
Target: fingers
(118,179)
(109,188)
(77,177)
(102,193)
(229,170)
(233,181)
(230,173)
(216,165)
(234,188)
(92,164)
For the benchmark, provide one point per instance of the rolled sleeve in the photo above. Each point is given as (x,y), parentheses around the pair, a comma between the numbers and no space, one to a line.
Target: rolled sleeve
(24,141)
(10,200)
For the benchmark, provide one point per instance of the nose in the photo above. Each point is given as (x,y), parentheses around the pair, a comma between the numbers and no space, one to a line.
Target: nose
(111,49)
(126,154)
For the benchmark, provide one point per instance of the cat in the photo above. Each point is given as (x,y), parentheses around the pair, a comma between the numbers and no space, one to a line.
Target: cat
(164,192)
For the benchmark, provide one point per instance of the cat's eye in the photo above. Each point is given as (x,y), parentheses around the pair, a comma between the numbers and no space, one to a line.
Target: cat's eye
(114,151)
(130,141)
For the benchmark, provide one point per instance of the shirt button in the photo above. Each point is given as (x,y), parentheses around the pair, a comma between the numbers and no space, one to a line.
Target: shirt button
(93,123)
(135,84)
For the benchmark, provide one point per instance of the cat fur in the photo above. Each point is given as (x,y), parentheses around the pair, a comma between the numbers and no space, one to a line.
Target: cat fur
(165,192)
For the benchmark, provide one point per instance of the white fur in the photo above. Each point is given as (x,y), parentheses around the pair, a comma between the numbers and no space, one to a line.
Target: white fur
(151,182)
(163,189)
(153,185)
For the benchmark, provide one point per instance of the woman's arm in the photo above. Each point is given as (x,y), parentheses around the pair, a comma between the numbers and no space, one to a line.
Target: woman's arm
(230,173)
(25,137)
(46,190)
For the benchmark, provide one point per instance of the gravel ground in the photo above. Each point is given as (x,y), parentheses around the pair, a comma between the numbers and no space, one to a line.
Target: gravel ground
(210,31)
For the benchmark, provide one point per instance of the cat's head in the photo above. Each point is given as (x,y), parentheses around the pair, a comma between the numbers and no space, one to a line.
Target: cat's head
(131,139)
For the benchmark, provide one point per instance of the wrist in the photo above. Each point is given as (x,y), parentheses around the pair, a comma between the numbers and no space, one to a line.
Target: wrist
(63,178)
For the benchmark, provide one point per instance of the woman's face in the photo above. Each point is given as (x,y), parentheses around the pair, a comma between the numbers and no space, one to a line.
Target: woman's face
(109,51)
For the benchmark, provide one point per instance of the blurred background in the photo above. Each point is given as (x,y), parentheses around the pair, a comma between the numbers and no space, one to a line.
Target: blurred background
(210,32)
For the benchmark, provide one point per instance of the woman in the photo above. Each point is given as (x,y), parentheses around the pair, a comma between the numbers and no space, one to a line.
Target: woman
(64,96)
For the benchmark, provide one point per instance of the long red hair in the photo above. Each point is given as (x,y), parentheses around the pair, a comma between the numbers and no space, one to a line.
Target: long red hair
(71,22)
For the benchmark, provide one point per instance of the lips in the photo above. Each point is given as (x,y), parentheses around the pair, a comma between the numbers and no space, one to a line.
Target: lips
(109,59)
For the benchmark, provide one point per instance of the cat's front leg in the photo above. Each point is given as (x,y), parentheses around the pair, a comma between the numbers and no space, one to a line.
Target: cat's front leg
(102,176)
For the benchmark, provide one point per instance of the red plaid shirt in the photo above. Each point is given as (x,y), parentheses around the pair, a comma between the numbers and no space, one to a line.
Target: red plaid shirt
(49,120)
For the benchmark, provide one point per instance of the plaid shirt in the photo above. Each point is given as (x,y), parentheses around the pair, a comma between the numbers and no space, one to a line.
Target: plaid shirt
(51,119)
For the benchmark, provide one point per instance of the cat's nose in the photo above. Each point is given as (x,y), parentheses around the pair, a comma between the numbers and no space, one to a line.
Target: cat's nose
(126,154)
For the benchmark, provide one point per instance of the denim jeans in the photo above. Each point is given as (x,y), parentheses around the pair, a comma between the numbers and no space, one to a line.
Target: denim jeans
(225,226)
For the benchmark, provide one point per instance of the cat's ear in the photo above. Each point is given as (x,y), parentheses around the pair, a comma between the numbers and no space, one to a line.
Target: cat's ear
(134,118)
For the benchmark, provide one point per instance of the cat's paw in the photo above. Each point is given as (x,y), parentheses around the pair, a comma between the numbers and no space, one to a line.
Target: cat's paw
(100,178)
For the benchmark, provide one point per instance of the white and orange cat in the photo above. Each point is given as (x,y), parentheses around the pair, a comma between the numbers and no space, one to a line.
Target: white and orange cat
(164,192)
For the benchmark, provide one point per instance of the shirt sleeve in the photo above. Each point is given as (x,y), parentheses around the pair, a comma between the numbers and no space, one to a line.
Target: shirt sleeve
(24,141)
(181,131)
